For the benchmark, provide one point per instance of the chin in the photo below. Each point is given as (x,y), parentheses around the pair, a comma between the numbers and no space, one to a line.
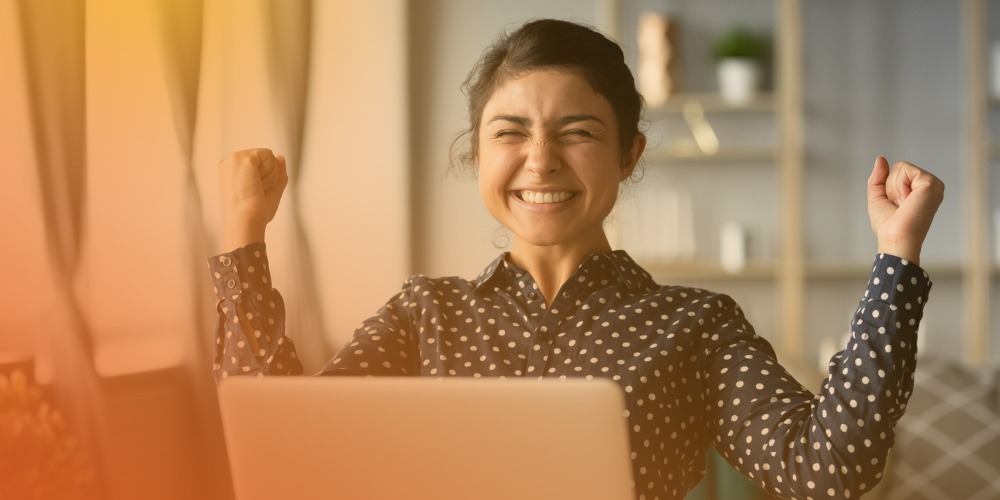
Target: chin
(541,239)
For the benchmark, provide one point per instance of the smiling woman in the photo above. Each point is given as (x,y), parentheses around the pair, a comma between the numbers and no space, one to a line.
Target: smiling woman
(549,167)
(553,131)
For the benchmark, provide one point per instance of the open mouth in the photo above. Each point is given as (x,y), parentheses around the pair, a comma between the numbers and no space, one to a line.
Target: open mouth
(540,198)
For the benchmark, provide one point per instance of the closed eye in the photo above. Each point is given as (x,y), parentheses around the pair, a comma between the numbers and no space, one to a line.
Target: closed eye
(506,133)
(577,136)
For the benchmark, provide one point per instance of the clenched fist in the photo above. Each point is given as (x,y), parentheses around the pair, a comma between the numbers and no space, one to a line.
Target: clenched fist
(901,205)
(251,181)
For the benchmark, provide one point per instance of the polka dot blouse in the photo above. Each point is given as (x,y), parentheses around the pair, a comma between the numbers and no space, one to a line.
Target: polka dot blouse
(694,372)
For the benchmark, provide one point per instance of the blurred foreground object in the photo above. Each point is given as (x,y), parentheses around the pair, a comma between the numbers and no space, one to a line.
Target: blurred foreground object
(40,459)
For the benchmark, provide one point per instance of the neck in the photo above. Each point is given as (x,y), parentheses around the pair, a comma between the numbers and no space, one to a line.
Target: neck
(551,265)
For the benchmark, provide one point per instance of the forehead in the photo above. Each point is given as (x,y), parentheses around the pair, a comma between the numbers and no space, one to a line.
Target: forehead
(547,94)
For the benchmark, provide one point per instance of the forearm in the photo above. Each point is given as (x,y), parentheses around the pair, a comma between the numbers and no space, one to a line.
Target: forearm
(850,431)
(798,444)
(242,231)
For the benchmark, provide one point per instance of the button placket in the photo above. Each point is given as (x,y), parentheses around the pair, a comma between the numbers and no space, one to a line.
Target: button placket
(540,351)
(551,323)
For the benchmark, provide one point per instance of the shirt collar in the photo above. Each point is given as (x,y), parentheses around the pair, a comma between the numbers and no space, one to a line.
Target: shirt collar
(624,269)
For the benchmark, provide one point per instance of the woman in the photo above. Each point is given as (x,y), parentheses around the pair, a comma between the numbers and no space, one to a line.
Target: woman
(553,132)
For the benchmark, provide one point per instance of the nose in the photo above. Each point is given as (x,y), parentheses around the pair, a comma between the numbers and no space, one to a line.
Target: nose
(542,158)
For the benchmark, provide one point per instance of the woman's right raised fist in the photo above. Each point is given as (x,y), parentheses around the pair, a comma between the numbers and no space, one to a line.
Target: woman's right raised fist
(251,181)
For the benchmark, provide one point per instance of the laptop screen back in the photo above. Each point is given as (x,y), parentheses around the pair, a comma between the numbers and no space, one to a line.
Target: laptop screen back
(424,438)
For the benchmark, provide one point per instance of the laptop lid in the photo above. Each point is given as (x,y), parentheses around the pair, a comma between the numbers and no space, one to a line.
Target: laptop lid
(426,438)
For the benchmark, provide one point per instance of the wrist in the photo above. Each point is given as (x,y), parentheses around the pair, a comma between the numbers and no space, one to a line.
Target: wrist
(901,249)
(243,233)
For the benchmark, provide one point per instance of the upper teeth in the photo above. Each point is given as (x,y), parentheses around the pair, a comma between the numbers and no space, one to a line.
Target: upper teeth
(549,197)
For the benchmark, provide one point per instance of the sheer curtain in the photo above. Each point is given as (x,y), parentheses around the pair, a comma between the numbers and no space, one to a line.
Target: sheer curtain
(116,114)
(52,40)
(290,28)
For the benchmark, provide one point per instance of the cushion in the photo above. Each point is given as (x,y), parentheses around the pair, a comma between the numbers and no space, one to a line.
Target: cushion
(948,442)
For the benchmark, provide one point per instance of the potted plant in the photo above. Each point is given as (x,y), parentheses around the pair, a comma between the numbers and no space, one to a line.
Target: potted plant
(740,55)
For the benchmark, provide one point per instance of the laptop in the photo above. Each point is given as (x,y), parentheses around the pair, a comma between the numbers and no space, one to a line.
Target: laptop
(426,438)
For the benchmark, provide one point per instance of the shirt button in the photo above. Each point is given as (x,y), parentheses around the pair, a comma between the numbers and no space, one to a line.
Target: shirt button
(231,283)
(532,296)
(226,261)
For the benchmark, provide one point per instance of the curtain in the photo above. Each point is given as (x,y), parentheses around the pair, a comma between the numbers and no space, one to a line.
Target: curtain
(290,33)
(181,23)
(254,93)
(127,109)
(53,41)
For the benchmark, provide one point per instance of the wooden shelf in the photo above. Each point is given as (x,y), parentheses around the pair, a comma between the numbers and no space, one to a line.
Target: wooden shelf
(814,271)
(943,269)
(707,270)
(679,156)
(860,270)
(712,103)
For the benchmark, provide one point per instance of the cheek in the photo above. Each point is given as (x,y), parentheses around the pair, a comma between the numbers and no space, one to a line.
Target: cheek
(599,169)
(607,185)
(491,182)
(494,169)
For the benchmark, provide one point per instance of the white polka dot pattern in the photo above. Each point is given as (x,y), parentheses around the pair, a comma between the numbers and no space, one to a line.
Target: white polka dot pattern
(694,372)
(250,313)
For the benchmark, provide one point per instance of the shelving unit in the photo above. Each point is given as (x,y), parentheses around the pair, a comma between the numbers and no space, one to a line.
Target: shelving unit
(703,270)
(797,276)
(844,270)
(711,102)
(979,269)
(781,108)
(692,156)
(791,125)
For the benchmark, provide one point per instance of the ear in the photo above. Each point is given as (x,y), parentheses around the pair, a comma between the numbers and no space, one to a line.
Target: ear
(631,158)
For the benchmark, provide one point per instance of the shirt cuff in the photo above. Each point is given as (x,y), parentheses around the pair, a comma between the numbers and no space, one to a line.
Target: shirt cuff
(897,280)
(243,268)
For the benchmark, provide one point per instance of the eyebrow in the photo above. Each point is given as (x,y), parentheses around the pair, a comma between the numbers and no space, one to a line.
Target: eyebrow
(566,120)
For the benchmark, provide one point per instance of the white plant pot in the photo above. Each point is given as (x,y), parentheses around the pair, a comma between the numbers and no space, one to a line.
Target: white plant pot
(739,80)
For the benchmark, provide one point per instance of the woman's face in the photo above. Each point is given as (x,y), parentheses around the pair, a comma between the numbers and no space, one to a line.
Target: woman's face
(550,160)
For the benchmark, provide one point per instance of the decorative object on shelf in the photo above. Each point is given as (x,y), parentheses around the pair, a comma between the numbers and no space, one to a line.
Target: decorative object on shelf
(703,140)
(39,457)
(656,71)
(733,247)
(740,56)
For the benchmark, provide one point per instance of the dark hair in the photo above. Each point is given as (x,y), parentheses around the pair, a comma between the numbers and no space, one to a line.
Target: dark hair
(551,43)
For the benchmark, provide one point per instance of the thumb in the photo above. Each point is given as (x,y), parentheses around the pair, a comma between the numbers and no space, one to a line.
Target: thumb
(282,171)
(877,180)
